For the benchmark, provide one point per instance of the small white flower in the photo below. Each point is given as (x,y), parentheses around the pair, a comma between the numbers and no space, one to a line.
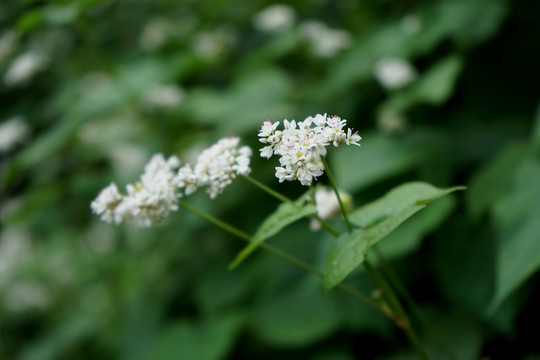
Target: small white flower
(274,19)
(216,167)
(394,73)
(283,174)
(268,128)
(12,131)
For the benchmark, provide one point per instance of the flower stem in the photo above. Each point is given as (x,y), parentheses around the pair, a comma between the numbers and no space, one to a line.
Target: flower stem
(271,192)
(285,199)
(404,293)
(215,221)
(403,321)
(285,256)
(333,183)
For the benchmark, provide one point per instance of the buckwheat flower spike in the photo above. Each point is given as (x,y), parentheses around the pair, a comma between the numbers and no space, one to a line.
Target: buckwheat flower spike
(216,167)
(301,145)
(149,200)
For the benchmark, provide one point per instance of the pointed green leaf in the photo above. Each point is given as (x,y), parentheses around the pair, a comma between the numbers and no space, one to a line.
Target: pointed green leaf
(287,319)
(377,220)
(401,198)
(285,214)
(516,219)
(188,339)
(494,180)
(350,249)
(409,235)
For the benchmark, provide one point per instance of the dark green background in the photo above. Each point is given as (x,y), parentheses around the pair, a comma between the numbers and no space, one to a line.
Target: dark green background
(80,289)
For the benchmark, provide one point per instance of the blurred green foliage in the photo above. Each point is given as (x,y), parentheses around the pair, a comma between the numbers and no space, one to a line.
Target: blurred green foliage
(97,86)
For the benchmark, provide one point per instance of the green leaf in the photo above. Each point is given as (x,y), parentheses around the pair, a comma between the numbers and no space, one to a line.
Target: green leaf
(377,220)
(381,157)
(296,318)
(408,237)
(494,180)
(285,214)
(350,249)
(260,94)
(434,87)
(209,340)
(401,198)
(516,218)
(437,84)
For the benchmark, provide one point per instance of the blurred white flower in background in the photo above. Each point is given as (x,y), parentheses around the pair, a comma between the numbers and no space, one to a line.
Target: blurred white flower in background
(274,19)
(394,73)
(24,67)
(211,44)
(325,41)
(15,246)
(327,205)
(155,34)
(391,122)
(8,41)
(163,96)
(411,24)
(27,294)
(12,132)
(9,207)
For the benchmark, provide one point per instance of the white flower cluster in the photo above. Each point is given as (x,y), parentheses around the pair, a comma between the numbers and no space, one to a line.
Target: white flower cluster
(301,145)
(150,199)
(216,167)
(156,194)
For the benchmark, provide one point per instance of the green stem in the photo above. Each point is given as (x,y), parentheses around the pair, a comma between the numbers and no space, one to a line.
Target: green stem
(285,199)
(403,320)
(271,192)
(333,183)
(332,230)
(215,221)
(285,256)
(404,293)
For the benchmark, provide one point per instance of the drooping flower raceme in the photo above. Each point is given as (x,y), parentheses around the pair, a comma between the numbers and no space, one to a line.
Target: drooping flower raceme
(148,200)
(216,167)
(156,194)
(300,145)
